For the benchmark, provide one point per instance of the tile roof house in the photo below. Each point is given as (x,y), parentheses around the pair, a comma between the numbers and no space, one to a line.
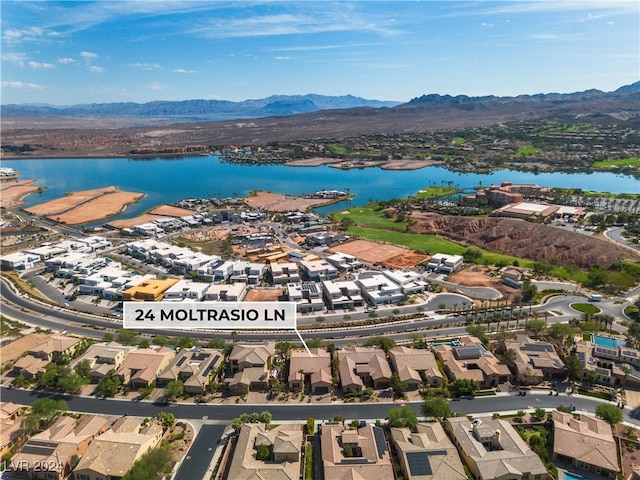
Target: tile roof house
(473,361)
(285,445)
(310,372)
(54,346)
(103,357)
(415,367)
(586,442)
(9,426)
(29,366)
(535,361)
(355,454)
(362,367)
(494,450)
(249,364)
(141,367)
(48,454)
(194,367)
(427,454)
(112,454)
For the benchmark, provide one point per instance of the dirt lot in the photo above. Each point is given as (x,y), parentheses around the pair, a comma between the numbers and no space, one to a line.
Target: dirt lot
(481,276)
(408,164)
(313,162)
(373,252)
(171,211)
(264,295)
(87,205)
(277,202)
(158,212)
(525,239)
(12,192)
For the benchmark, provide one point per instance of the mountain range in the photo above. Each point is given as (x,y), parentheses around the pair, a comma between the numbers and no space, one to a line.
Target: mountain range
(202,110)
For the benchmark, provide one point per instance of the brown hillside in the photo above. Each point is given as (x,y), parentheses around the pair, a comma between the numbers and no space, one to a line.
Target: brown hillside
(527,240)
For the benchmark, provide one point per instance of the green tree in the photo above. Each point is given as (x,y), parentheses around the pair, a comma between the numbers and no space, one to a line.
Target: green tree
(166,419)
(109,384)
(437,408)
(561,331)
(83,368)
(152,465)
(263,452)
(534,327)
(46,410)
(311,425)
(72,383)
(174,389)
(265,417)
(463,387)
(529,290)
(383,343)
(398,386)
(217,342)
(478,331)
(403,416)
(609,413)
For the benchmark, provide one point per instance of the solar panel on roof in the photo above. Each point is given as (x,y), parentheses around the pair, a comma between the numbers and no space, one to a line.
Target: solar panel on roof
(419,463)
(381,443)
(538,347)
(467,352)
(181,361)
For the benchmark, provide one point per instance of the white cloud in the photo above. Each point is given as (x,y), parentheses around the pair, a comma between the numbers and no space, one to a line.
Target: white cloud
(283,58)
(21,85)
(145,66)
(96,69)
(14,35)
(38,65)
(89,55)
(154,86)
(15,58)
(66,60)
(182,70)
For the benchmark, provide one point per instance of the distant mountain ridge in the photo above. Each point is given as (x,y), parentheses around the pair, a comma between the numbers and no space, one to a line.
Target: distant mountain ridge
(275,105)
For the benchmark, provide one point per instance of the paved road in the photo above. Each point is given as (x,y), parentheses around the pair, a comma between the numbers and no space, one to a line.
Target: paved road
(196,463)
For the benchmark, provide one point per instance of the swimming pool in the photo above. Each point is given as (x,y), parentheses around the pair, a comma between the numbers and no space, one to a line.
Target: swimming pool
(607,341)
(571,476)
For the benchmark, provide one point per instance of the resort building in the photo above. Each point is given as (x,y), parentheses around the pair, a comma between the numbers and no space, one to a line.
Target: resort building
(362,367)
(284,446)
(416,367)
(355,454)
(310,373)
(493,450)
(586,442)
(427,454)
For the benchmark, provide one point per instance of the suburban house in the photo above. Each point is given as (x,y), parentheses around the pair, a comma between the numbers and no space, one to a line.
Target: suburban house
(409,281)
(307,295)
(284,443)
(55,346)
(48,454)
(310,373)
(493,450)
(112,454)
(10,430)
(318,270)
(29,366)
(427,454)
(355,454)
(194,367)
(416,367)
(473,361)
(362,367)
(341,295)
(379,289)
(222,292)
(249,365)
(141,367)
(534,361)
(284,273)
(148,291)
(103,357)
(19,261)
(343,261)
(185,290)
(441,262)
(586,442)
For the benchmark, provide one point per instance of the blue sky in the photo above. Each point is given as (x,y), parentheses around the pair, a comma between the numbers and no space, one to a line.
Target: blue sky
(74,52)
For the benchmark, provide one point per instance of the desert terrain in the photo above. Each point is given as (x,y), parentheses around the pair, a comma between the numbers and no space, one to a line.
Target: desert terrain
(277,202)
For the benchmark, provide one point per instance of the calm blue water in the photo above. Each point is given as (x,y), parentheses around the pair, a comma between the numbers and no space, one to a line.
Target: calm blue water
(168,180)
(607,342)
(571,476)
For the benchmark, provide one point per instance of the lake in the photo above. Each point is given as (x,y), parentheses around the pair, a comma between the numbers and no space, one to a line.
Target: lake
(166,180)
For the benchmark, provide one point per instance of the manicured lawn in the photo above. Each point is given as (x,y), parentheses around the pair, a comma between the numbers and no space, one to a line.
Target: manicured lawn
(435,192)
(585,308)
(529,150)
(622,162)
(414,241)
(370,216)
